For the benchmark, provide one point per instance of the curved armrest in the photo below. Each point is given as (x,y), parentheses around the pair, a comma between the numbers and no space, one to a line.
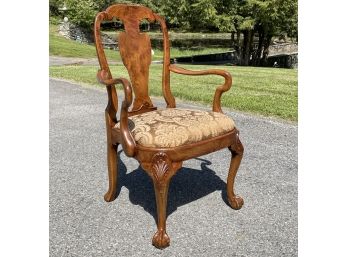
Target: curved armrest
(219,90)
(128,143)
(104,77)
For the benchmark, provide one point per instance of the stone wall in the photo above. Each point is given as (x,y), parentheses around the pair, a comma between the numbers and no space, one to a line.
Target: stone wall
(82,35)
(70,31)
(282,48)
(283,55)
(283,61)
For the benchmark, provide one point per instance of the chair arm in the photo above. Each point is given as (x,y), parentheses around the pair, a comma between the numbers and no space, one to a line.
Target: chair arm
(105,78)
(219,90)
(128,143)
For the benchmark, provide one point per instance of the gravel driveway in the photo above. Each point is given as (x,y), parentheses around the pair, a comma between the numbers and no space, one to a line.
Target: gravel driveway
(200,223)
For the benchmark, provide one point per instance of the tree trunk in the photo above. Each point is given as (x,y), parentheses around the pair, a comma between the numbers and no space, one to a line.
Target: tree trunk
(247,42)
(257,59)
(243,48)
(238,44)
(238,47)
(232,38)
(266,45)
(251,45)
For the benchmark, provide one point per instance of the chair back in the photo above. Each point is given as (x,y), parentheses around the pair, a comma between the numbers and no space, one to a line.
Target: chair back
(135,51)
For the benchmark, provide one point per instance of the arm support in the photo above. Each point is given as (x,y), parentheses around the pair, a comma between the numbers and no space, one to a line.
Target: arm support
(128,143)
(219,90)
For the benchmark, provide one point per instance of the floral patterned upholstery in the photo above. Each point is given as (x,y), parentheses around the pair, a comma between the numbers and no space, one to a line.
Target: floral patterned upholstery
(174,127)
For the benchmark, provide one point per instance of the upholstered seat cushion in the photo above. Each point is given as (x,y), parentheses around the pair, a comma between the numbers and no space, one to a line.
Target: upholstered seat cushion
(174,127)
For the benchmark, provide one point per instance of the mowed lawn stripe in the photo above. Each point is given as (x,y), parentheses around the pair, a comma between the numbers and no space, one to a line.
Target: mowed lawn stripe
(265,91)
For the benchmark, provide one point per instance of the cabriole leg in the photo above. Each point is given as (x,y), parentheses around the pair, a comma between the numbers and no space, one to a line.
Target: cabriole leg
(161,239)
(161,169)
(112,171)
(237,150)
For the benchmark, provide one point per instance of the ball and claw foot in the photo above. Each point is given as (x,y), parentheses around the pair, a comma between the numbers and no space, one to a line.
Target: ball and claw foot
(109,197)
(160,239)
(236,202)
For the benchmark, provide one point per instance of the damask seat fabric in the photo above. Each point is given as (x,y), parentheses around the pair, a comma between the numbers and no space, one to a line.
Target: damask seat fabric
(173,127)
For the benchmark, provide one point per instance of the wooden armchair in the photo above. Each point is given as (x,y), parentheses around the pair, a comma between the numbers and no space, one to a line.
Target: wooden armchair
(160,139)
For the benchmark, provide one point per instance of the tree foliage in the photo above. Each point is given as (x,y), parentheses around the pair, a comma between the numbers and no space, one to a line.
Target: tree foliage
(258,21)
(252,23)
(82,12)
(54,7)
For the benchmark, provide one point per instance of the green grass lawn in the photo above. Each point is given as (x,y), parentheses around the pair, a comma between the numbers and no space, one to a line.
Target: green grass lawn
(265,91)
(182,35)
(175,52)
(61,46)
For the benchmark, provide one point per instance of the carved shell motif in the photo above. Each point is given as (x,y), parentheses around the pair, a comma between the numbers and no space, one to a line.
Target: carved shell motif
(161,165)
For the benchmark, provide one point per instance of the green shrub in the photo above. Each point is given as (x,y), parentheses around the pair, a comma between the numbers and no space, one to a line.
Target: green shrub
(82,12)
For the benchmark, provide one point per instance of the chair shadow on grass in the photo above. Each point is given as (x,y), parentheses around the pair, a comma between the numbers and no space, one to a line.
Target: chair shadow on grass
(186,186)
